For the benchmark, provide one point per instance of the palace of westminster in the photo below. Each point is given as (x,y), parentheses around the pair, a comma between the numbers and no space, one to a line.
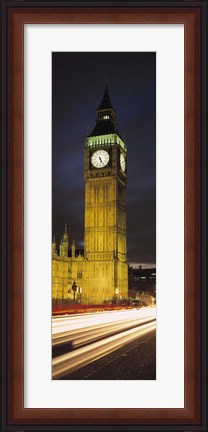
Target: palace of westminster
(101,272)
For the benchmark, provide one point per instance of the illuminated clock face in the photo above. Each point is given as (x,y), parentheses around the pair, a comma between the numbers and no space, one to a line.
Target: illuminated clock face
(100,158)
(122,162)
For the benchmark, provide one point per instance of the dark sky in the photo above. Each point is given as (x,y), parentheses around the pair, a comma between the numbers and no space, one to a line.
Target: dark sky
(78,82)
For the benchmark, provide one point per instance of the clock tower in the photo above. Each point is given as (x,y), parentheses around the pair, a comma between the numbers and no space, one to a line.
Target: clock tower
(105,171)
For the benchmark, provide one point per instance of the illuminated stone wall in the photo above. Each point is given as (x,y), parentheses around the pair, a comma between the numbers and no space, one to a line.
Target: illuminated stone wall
(60,279)
(105,228)
(66,270)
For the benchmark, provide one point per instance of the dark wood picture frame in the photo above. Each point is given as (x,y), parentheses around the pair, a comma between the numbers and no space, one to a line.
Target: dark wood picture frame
(15,14)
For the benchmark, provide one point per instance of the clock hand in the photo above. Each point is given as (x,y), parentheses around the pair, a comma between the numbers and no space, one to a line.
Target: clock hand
(100,160)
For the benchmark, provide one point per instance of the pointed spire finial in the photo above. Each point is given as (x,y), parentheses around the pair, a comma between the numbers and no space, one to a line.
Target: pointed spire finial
(105,116)
(65,228)
(54,238)
(105,102)
(73,249)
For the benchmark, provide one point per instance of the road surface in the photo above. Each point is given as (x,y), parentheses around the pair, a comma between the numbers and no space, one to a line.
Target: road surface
(81,341)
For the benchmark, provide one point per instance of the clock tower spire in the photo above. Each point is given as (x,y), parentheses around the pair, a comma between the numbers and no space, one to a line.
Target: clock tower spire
(105,171)
(105,116)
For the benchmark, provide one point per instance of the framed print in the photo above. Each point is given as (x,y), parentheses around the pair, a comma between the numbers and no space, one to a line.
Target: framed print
(104,327)
(95,278)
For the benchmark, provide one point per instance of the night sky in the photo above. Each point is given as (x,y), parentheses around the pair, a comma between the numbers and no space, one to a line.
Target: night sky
(78,82)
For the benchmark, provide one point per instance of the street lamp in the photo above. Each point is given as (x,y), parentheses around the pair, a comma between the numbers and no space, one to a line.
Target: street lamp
(74,288)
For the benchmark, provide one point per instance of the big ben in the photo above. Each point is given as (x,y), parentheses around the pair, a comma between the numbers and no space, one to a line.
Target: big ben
(105,172)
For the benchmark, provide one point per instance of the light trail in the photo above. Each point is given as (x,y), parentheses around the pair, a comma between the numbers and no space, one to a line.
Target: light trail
(69,362)
(90,337)
(68,323)
(89,334)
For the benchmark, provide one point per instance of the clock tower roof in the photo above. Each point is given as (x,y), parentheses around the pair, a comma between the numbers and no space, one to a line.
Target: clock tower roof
(106,117)
(105,102)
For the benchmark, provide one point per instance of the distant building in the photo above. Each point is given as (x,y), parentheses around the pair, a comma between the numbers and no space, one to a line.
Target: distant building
(142,282)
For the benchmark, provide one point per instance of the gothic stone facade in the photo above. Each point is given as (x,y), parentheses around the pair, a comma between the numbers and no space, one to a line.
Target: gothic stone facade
(101,273)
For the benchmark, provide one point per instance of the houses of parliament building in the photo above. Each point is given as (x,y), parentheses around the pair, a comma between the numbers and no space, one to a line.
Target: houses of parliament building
(100,273)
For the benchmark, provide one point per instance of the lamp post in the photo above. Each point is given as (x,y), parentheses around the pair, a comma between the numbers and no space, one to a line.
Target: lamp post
(74,288)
